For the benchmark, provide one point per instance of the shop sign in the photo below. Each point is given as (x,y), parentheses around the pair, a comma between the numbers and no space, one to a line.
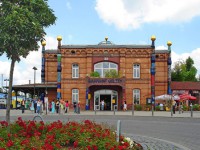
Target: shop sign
(104,81)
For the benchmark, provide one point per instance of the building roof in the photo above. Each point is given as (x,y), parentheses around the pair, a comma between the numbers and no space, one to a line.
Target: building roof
(56,51)
(185,85)
(106,46)
(30,87)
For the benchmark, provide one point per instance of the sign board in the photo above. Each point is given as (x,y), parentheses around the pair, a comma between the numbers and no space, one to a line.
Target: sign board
(148,100)
(113,101)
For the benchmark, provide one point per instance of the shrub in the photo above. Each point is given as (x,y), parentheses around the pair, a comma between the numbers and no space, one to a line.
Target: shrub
(111,74)
(94,74)
(195,107)
(57,135)
(138,107)
(185,108)
(157,108)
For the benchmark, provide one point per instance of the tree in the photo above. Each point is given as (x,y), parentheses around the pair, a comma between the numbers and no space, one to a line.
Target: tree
(22,24)
(184,71)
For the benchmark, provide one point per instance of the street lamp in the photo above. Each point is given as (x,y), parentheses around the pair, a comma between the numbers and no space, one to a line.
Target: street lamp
(34,68)
(6,86)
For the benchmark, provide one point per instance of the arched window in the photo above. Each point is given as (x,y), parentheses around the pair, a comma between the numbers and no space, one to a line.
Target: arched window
(75,95)
(75,71)
(136,96)
(102,67)
(136,71)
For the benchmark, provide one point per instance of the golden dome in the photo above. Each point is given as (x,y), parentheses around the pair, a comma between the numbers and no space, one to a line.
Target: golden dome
(169,43)
(43,43)
(59,38)
(106,38)
(153,37)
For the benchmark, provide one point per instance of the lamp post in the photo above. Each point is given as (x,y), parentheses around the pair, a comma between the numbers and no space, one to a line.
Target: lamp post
(6,87)
(34,68)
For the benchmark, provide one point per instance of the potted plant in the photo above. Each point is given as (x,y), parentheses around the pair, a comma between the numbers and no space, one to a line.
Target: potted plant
(111,74)
(95,74)
(138,107)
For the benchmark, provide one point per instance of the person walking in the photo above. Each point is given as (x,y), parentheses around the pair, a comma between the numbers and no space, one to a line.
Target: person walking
(174,106)
(53,106)
(78,107)
(102,105)
(23,105)
(124,106)
(35,105)
(57,106)
(74,104)
(66,106)
(39,103)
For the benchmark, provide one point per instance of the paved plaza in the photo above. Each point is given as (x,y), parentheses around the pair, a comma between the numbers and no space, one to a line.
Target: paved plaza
(159,132)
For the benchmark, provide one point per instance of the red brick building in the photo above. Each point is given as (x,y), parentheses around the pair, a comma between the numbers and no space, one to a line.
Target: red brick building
(70,67)
(187,87)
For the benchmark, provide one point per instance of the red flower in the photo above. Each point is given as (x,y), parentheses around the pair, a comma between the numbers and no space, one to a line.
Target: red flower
(25,142)
(95,147)
(1,139)
(9,143)
(75,144)
(89,148)
(4,123)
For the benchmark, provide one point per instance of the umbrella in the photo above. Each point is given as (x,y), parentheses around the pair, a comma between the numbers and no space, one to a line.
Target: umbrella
(188,97)
(167,97)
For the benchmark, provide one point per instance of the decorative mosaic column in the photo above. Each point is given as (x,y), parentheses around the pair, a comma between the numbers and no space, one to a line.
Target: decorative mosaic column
(169,62)
(43,62)
(59,69)
(153,72)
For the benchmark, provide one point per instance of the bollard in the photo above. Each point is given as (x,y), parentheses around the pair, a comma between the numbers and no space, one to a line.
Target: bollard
(115,108)
(171,111)
(118,130)
(191,111)
(152,110)
(46,105)
(179,109)
(95,109)
(132,110)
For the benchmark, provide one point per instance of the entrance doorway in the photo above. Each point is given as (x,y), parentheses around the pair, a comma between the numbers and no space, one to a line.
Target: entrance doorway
(107,101)
(109,96)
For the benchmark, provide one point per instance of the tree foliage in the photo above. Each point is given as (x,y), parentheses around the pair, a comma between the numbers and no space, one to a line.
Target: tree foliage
(22,26)
(184,71)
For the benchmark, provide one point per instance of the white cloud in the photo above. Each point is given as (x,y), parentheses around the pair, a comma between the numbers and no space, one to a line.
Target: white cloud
(23,71)
(68,4)
(182,57)
(194,55)
(128,14)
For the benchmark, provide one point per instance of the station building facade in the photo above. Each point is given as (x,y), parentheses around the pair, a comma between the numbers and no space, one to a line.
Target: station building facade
(70,68)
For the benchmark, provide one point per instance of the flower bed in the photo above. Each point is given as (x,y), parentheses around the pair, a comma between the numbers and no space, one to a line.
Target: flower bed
(86,135)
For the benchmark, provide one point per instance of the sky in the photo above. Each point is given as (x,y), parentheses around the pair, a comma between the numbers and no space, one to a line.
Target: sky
(123,22)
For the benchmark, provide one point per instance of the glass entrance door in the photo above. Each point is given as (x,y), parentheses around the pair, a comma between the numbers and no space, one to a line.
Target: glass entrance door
(110,98)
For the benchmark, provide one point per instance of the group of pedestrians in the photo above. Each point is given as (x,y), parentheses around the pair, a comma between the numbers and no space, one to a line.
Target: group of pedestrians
(37,105)
(62,107)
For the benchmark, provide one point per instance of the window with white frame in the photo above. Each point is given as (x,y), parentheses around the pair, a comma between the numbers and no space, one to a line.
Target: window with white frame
(75,95)
(136,71)
(75,71)
(102,67)
(136,96)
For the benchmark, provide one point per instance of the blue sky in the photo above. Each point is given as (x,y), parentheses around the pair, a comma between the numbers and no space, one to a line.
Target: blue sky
(124,22)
